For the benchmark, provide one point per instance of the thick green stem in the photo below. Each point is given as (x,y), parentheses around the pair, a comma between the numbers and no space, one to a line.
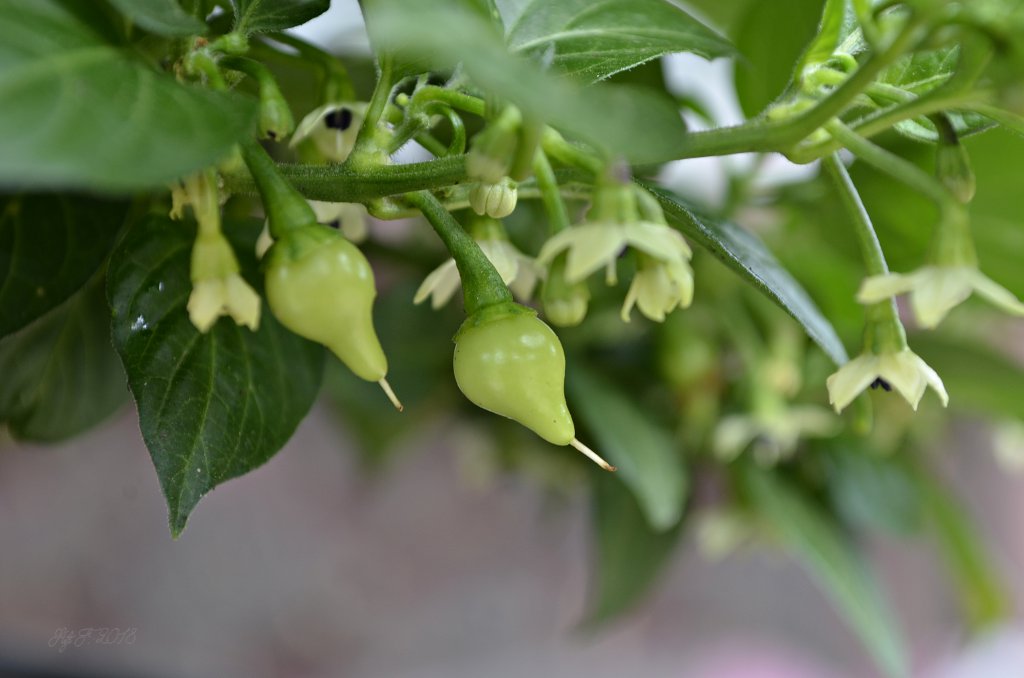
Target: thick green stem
(285,207)
(343,183)
(372,142)
(481,284)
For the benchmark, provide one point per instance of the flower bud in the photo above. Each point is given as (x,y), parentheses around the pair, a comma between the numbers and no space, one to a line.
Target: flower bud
(494,200)
(953,167)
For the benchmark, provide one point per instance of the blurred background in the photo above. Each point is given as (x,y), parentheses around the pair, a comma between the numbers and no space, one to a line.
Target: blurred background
(436,560)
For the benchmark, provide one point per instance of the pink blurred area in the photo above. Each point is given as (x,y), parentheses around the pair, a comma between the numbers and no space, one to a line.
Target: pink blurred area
(308,567)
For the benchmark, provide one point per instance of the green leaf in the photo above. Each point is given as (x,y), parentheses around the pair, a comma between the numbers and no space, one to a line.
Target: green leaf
(80,113)
(60,374)
(832,561)
(649,460)
(163,17)
(211,406)
(747,256)
(983,595)
(594,39)
(838,20)
(871,491)
(265,16)
(629,555)
(50,245)
(640,124)
(771,37)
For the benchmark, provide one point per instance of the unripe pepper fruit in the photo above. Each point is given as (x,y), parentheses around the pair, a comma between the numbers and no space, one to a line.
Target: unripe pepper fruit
(321,287)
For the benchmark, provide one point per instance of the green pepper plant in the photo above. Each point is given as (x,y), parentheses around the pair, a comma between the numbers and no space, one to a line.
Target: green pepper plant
(165,222)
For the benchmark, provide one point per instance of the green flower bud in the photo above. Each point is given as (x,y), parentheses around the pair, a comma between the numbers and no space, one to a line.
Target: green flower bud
(953,167)
(565,303)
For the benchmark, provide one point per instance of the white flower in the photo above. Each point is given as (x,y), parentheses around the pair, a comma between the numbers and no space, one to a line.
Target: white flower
(935,290)
(349,216)
(214,297)
(265,241)
(599,243)
(517,270)
(658,287)
(775,434)
(332,128)
(901,370)
(217,288)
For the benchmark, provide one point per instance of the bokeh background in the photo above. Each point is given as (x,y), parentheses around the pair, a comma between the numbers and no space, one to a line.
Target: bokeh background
(437,563)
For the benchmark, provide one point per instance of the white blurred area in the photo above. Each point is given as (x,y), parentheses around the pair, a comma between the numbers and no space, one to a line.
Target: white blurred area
(309,568)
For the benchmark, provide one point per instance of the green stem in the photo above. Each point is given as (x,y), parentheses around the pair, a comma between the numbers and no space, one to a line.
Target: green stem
(558,215)
(891,164)
(481,284)
(285,207)
(557,148)
(343,183)
(372,142)
(883,330)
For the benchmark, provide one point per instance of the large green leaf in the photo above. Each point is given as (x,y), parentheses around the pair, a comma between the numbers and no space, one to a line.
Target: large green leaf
(211,406)
(163,17)
(49,246)
(649,460)
(770,38)
(817,542)
(640,124)
(593,39)
(60,374)
(628,556)
(80,113)
(747,256)
(264,16)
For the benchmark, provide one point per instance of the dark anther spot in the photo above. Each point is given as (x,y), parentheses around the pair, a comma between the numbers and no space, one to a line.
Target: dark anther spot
(882,384)
(340,119)
(335,224)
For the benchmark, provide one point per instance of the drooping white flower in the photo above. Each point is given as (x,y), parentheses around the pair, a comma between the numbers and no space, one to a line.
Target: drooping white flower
(902,370)
(518,271)
(597,244)
(217,287)
(350,217)
(775,434)
(936,290)
(332,128)
(658,287)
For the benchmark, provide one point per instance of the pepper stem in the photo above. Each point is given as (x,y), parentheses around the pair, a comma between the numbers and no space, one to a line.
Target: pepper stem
(391,394)
(593,456)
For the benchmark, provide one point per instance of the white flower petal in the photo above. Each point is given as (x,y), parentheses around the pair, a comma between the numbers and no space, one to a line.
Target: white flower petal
(933,380)
(206,303)
(938,292)
(880,287)
(327,212)
(265,241)
(242,302)
(996,294)
(440,283)
(902,372)
(504,256)
(595,246)
(658,240)
(732,435)
(849,380)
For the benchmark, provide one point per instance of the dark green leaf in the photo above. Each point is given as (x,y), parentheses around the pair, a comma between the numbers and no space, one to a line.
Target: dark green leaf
(747,256)
(649,460)
(50,245)
(80,113)
(982,593)
(60,374)
(832,561)
(642,125)
(211,406)
(593,39)
(264,16)
(163,17)
(629,554)
(771,37)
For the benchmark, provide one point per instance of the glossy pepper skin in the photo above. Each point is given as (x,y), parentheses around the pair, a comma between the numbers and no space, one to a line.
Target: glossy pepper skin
(321,287)
(510,363)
